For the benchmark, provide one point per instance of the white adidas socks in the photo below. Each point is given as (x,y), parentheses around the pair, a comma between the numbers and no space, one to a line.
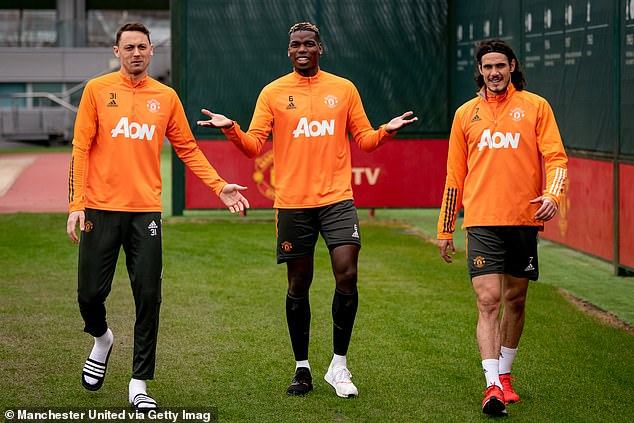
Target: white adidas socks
(338,361)
(491,372)
(135,388)
(100,351)
(507,355)
(302,363)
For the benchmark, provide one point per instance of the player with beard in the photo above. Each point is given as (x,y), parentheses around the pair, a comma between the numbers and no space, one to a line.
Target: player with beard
(499,142)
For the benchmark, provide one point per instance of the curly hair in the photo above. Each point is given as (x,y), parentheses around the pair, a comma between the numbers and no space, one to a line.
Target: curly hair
(305,26)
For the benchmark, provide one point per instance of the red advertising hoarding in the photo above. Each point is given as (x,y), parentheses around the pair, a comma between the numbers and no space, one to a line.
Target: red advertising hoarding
(400,173)
(411,173)
(585,218)
(626,215)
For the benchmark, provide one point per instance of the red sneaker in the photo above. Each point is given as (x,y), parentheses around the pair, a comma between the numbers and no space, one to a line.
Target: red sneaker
(493,402)
(510,396)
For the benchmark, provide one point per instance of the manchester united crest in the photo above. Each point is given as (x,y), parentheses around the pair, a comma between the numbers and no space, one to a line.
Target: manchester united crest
(264,175)
(479,262)
(331,101)
(287,246)
(153,105)
(517,114)
(88,226)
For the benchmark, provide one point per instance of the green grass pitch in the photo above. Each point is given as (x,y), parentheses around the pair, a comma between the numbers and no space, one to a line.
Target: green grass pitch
(223,340)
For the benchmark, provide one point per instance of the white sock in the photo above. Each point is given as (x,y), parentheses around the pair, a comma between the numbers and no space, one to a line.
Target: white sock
(338,361)
(491,372)
(507,355)
(135,388)
(100,351)
(302,363)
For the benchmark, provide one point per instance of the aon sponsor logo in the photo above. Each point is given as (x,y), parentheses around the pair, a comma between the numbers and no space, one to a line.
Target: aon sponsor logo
(133,130)
(498,140)
(314,128)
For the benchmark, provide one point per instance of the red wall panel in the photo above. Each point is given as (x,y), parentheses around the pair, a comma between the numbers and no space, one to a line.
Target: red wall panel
(585,219)
(626,215)
(411,173)
(401,173)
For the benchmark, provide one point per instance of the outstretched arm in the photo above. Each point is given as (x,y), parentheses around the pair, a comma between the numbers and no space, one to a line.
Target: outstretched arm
(251,141)
(216,120)
(400,122)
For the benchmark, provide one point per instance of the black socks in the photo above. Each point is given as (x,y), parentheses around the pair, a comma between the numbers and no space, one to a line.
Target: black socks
(298,320)
(344,310)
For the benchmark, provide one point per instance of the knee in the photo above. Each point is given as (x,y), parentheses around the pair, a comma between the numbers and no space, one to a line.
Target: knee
(298,285)
(347,281)
(90,295)
(516,303)
(488,306)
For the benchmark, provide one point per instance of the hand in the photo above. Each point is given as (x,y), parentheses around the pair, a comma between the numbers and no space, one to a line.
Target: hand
(447,249)
(230,195)
(71,224)
(400,122)
(216,121)
(547,210)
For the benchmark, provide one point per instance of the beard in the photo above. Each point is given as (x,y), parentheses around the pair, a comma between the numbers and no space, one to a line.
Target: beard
(496,87)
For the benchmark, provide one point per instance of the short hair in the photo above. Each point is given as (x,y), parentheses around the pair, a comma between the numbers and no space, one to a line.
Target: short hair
(305,26)
(132,26)
(499,46)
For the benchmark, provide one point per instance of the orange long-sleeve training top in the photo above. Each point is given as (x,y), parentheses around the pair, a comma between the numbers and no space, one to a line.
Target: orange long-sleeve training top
(494,167)
(310,118)
(119,133)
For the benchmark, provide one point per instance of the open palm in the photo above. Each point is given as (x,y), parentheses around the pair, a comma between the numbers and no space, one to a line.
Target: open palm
(217,120)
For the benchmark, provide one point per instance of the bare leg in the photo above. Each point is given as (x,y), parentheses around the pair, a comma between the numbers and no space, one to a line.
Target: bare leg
(488,290)
(512,324)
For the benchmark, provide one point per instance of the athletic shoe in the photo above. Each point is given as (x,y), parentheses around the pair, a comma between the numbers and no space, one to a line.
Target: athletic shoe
(493,402)
(302,382)
(510,396)
(340,379)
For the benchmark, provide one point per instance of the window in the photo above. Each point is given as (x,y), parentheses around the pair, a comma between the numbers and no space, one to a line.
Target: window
(6,89)
(9,28)
(28,27)
(38,28)
(46,87)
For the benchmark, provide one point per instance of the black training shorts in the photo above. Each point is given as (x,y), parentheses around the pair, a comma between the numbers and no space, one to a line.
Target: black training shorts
(503,249)
(298,229)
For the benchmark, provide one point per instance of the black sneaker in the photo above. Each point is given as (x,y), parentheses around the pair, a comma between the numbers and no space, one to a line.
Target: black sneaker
(302,382)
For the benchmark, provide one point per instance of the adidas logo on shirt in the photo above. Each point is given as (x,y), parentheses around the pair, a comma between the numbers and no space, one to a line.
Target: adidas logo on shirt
(112,103)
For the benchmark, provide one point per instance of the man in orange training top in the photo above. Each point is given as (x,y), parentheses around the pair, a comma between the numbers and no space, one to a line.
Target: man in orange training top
(497,145)
(310,113)
(115,196)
